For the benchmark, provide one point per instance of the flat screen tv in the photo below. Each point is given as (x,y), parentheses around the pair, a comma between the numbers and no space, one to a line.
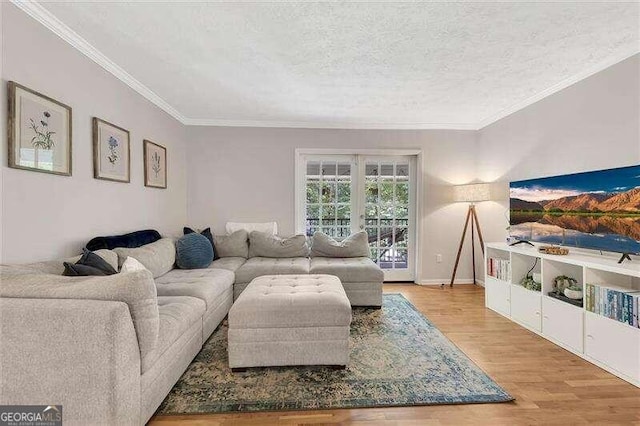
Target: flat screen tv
(597,210)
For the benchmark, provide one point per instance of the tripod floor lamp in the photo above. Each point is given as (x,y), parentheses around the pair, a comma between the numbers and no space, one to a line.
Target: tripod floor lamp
(472,193)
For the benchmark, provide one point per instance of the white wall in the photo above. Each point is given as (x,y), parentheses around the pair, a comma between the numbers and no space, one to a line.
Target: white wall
(592,125)
(247,174)
(46,216)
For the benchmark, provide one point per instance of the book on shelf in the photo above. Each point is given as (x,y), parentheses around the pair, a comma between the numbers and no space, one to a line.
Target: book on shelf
(619,304)
(499,268)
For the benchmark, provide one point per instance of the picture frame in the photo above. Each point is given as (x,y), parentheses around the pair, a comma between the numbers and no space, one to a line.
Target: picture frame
(111,152)
(39,132)
(155,165)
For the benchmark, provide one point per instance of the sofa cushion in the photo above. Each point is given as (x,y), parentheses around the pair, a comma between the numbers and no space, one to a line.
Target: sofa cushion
(131,240)
(233,245)
(157,257)
(229,263)
(193,251)
(136,289)
(177,314)
(352,269)
(355,245)
(262,244)
(257,266)
(205,284)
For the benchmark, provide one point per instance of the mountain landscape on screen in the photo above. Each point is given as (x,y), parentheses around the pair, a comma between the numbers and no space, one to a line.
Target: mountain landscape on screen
(596,210)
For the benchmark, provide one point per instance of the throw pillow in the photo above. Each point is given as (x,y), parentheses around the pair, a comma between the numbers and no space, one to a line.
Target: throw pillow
(157,257)
(131,264)
(89,264)
(207,233)
(355,245)
(193,251)
(108,256)
(268,227)
(266,245)
(131,240)
(232,245)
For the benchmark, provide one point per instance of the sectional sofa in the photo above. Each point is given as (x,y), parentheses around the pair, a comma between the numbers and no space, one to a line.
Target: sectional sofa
(110,348)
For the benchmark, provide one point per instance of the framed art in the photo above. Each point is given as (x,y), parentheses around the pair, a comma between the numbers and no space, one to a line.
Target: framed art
(39,132)
(111,152)
(155,165)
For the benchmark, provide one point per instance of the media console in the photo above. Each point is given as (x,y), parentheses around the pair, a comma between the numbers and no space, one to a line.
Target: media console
(609,343)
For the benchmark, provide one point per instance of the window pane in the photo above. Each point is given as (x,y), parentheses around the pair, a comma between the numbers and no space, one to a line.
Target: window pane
(344,212)
(313,212)
(313,168)
(313,192)
(329,170)
(386,192)
(344,192)
(371,189)
(386,171)
(343,232)
(402,193)
(344,172)
(329,231)
(328,214)
(328,192)
(402,212)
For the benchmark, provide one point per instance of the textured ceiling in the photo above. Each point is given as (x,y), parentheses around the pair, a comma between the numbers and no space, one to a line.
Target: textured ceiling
(353,64)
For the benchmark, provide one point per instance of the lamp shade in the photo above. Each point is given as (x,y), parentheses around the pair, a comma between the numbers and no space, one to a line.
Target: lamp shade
(472,193)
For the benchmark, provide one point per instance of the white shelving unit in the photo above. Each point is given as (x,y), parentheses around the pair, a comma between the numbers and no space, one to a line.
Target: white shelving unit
(610,344)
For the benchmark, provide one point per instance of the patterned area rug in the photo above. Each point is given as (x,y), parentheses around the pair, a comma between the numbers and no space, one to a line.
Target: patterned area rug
(398,358)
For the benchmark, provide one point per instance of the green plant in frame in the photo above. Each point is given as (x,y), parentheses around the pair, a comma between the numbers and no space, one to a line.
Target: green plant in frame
(155,158)
(43,135)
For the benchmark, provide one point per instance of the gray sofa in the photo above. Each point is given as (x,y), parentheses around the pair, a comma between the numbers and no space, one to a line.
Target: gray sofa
(109,349)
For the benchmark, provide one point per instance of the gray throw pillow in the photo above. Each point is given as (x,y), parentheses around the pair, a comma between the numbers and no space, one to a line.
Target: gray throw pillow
(157,257)
(262,244)
(355,245)
(232,245)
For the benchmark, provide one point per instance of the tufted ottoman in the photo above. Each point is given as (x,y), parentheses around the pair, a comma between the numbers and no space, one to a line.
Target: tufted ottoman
(290,320)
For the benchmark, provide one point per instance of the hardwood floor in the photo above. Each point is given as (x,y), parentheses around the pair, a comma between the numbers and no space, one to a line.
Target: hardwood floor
(551,385)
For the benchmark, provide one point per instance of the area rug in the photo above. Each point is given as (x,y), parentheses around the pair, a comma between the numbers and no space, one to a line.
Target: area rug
(397,358)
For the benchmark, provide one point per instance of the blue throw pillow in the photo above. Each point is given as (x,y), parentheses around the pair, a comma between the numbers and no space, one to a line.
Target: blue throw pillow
(193,251)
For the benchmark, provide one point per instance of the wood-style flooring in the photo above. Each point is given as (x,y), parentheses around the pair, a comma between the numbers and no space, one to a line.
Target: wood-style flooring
(551,386)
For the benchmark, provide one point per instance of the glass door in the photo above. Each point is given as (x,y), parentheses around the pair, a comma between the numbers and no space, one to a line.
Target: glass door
(387,214)
(344,194)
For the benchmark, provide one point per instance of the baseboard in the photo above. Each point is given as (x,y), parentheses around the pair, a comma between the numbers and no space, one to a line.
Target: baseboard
(464,281)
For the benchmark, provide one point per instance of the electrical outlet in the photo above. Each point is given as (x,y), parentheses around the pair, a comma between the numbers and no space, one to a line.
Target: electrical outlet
(438,258)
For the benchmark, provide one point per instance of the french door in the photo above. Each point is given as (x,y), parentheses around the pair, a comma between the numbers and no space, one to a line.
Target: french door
(349,193)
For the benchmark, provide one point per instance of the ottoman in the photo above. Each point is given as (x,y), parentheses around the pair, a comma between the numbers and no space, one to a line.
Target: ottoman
(283,320)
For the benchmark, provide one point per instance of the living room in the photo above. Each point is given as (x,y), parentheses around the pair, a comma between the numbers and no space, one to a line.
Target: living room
(248,104)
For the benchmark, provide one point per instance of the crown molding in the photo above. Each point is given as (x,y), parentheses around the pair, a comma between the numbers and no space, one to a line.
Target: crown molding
(46,18)
(330,125)
(557,88)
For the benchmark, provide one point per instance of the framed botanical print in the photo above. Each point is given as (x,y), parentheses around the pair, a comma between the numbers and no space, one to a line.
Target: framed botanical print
(39,132)
(111,149)
(155,165)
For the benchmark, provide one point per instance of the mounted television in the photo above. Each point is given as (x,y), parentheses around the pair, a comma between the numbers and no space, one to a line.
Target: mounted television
(597,210)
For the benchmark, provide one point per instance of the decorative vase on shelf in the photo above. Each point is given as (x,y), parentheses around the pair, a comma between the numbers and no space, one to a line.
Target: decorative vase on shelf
(573,293)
